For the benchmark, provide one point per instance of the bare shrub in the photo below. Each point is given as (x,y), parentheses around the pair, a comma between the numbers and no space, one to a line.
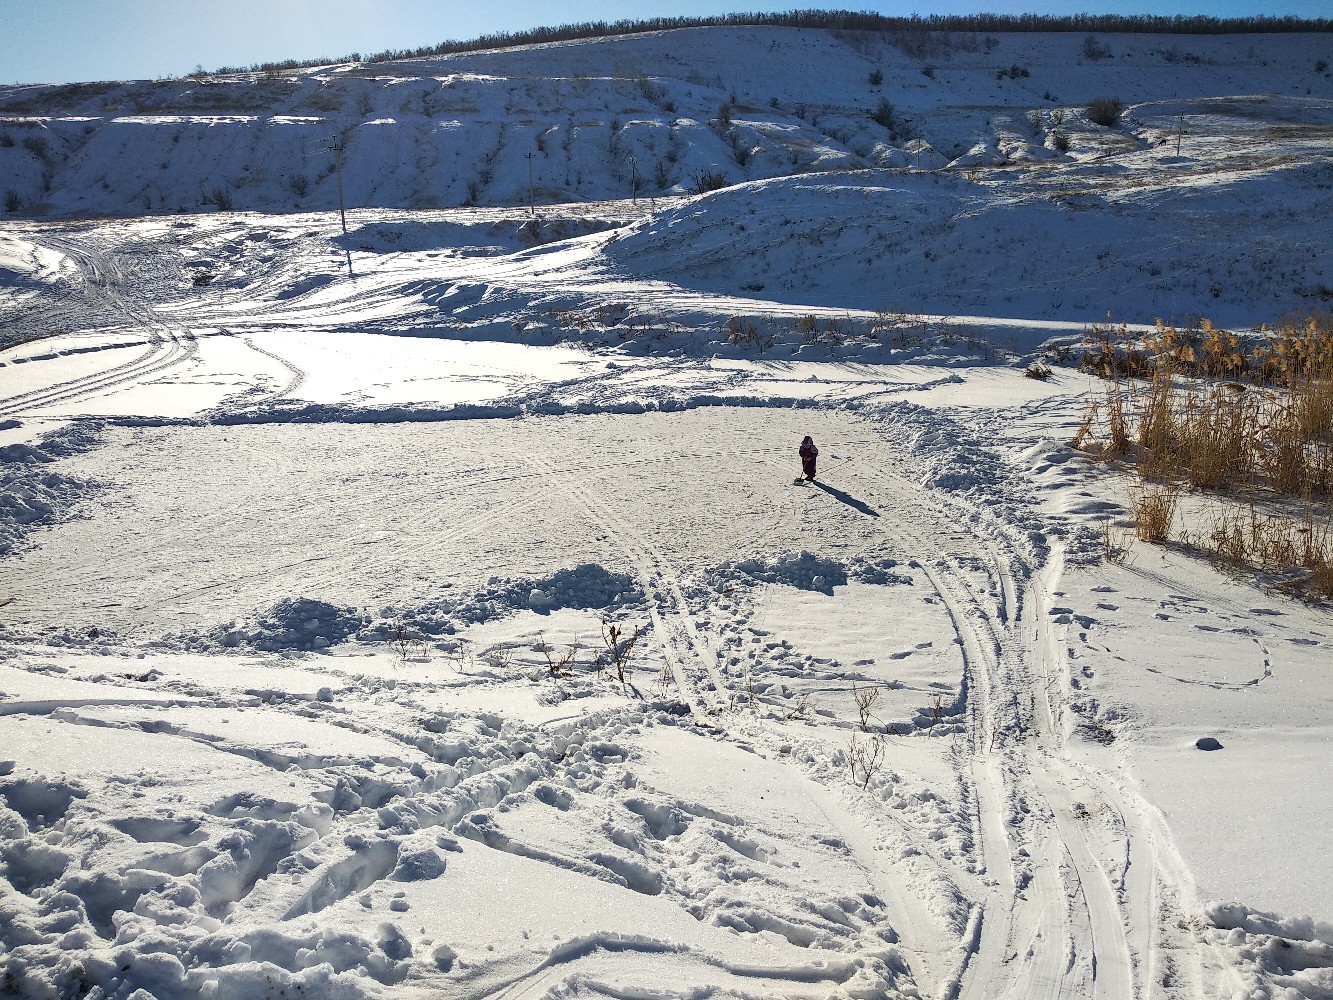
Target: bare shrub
(1094,49)
(741,330)
(740,151)
(885,114)
(559,664)
(407,642)
(864,758)
(620,647)
(1105,111)
(1114,549)
(38,147)
(1117,426)
(865,698)
(219,197)
(703,181)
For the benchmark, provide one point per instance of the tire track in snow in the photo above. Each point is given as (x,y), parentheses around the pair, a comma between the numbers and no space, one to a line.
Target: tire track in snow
(1052,925)
(167,347)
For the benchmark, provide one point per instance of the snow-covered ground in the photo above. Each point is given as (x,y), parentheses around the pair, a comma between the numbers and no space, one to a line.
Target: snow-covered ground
(313,547)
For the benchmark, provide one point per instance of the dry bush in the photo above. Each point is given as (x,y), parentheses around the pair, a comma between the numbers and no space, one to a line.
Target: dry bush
(1114,550)
(1271,426)
(1105,111)
(1157,430)
(1154,508)
(1080,439)
(1117,427)
(1265,432)
(864,758)
(620,647)
(703,181)
(865,698)
(559,664)
(741,330)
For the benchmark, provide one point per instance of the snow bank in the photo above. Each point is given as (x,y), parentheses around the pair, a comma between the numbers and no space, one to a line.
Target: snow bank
(588,586)
(33,496)
(294,623)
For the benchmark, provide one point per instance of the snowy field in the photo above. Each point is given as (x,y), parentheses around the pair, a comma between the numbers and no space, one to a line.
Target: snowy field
(430,610)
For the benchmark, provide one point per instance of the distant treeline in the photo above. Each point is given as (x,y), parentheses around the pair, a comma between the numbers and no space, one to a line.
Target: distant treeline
(841,20)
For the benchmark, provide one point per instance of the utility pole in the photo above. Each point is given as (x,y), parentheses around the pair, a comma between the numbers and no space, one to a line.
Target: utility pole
(532,201)
(1180,131)
(338,166)
(634,179)
(342,205)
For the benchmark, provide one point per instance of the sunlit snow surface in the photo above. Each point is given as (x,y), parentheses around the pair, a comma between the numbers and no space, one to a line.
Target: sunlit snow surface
(311,548)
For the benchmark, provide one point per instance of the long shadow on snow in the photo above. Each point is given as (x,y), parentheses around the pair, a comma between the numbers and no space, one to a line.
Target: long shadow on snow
(847,498)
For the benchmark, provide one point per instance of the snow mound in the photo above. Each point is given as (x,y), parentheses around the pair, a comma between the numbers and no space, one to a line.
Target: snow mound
(804,571)
(877,240)
(877,571)
(419,865)
(585,587)
(299,623)
(1233,916)
(31,496)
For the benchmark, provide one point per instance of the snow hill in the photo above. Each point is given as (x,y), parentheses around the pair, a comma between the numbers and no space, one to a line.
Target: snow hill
(652,115)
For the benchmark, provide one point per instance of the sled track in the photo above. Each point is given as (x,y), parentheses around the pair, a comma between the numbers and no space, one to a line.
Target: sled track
(167,347)
(1037,919)
(1078,911)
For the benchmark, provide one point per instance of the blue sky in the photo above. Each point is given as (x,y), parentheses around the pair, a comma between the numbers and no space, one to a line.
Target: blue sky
(58,41)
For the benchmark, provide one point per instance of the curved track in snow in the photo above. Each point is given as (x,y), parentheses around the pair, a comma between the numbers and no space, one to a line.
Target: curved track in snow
(104,283)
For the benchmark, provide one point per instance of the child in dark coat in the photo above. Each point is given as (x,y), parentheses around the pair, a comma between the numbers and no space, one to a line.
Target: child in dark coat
(808,453)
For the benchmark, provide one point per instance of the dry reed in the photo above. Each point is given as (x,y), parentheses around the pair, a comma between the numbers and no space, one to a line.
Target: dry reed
(1266,431)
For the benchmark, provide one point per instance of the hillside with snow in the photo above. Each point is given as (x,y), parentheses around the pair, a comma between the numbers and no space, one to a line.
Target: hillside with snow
(433,609)
(1220,124)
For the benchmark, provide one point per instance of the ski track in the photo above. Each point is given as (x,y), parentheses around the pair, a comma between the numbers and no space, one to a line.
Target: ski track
(1029,941)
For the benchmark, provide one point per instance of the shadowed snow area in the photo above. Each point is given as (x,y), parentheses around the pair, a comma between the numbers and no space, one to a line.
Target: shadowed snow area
(435,610)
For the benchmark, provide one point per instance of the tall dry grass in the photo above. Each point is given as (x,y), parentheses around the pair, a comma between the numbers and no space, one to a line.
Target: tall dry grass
(1249,418)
